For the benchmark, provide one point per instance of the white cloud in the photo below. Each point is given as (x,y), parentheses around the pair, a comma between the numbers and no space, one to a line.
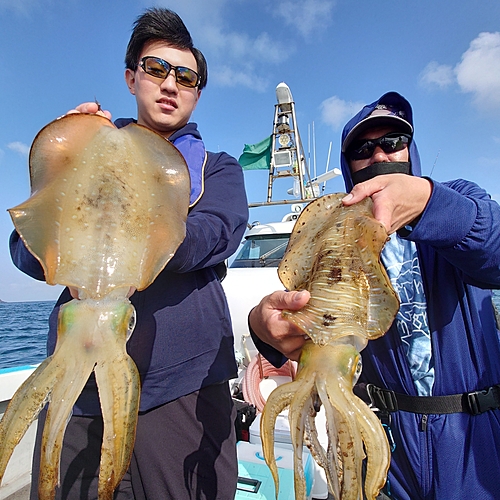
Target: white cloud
(197,13)
(237,57)
(437,74)
(477,73)
(479,70)
(241,48)
(307,16)
(25,7)
(19,147)
(336,112)
(17,6)
(226,76)
(488,162)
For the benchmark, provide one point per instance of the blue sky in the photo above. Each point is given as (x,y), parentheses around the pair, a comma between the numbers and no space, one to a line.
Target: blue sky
(442,55)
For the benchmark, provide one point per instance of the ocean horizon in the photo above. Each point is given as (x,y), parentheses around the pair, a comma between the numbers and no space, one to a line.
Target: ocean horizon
(24,327)
(23,332)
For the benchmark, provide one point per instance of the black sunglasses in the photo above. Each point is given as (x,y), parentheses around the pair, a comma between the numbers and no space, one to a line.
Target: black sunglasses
(160,68)
(390,143)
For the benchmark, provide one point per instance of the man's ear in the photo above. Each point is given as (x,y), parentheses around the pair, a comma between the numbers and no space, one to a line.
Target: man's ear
(198,95)
(130,80)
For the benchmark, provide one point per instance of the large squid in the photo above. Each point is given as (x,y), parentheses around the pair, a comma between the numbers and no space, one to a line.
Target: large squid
(107,212)
(334,253)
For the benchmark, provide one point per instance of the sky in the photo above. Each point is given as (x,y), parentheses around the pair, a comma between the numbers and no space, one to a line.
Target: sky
(335,55)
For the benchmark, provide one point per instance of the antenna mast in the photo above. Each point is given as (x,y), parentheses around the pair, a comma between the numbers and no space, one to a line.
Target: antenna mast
(288,159)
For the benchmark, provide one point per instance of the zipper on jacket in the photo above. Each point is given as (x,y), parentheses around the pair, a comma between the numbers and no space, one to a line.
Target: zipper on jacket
(423,423)
(426,471)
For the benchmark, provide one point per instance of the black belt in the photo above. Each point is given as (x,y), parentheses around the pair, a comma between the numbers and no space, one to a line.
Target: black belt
(475,402)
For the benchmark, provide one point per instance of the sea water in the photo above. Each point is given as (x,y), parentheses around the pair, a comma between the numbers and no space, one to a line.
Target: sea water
(23,332)
(24,327)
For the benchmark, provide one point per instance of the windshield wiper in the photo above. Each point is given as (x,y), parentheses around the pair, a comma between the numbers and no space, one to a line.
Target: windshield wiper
(263,257)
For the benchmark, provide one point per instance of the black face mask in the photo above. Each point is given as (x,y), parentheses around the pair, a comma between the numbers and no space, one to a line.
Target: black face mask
(396,167)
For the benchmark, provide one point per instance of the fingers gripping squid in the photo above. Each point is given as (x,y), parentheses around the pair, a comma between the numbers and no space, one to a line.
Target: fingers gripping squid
(107,212)
(334,253)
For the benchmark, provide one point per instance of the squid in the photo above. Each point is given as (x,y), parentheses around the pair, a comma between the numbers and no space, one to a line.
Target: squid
(107,212)
(334,253)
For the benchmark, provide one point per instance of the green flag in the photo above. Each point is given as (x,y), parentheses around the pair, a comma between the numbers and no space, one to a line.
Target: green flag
(256,156)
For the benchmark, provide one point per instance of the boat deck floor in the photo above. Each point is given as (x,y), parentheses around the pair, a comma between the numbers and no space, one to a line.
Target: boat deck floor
(22,494)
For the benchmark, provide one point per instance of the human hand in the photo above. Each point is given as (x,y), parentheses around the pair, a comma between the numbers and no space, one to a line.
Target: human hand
(268,324)
(398,199)
(90,107)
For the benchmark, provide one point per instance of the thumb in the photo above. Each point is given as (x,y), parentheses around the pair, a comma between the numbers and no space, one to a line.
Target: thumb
(290,300)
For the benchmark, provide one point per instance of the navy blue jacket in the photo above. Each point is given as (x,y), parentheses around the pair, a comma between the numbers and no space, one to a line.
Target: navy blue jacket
(183,338)
(458,242)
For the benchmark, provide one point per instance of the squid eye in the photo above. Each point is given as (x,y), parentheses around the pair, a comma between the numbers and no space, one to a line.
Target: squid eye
(131,324)
(357,368)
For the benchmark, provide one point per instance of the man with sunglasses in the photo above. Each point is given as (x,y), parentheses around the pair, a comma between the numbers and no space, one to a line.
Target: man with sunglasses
(435,375)
(182,343)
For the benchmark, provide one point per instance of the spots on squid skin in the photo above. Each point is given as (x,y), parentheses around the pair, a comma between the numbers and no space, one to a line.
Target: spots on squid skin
(335,275)
(328,319)
(90,202)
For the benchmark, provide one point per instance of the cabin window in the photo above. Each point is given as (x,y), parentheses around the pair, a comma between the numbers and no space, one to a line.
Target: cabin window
(262,251)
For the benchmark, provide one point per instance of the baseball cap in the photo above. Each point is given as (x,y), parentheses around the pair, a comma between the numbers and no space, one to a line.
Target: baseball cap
(383,115)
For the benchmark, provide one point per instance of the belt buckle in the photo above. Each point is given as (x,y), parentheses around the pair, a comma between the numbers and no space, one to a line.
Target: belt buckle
(481,401)
(382,399)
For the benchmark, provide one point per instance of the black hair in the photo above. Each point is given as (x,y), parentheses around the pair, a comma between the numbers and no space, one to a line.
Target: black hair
(163,25)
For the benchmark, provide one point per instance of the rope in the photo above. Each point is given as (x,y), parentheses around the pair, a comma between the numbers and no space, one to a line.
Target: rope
(258,370)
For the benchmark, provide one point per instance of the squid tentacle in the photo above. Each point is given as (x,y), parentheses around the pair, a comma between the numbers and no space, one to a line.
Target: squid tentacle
(24,408)
(333,474)
(297,417)
(119,409)
(278,400)
(377,447)
(65,394)
(351,444)
(312,441)
(348,440)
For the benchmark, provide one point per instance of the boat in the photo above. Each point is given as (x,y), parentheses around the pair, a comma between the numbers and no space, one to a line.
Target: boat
(253,272)
(17,479)
(252,275)
(254,268)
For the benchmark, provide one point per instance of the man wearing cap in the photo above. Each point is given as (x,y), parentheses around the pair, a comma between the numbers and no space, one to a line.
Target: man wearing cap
(440,360)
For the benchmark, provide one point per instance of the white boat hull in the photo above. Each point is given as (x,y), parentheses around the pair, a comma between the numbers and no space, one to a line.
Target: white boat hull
(18,473)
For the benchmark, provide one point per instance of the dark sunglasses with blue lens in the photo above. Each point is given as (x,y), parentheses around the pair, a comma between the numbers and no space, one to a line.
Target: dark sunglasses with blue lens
(389,143)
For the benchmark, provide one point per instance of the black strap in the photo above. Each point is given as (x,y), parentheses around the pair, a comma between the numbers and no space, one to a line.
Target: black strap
(221,270)
(475,402)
